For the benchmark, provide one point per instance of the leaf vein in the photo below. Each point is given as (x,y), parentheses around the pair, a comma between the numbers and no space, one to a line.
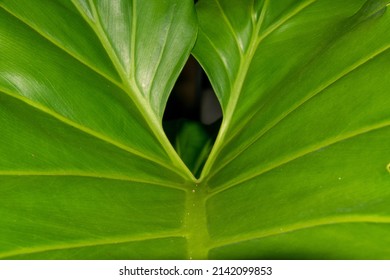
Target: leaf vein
(370,219)
(82,174)
(229,24)
(286,114)
(133,90)
(300,154)
(66,50)
(86,130)
(94,243)
(284,19)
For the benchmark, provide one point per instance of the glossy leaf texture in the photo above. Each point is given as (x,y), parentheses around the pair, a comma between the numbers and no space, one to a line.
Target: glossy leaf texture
(301,164)
(300,168)
(86,170)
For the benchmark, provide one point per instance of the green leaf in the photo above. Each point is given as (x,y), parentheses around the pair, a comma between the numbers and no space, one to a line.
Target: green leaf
(300,167)
(86,170)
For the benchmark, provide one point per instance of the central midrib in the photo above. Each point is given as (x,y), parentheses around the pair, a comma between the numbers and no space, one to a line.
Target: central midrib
(195,223)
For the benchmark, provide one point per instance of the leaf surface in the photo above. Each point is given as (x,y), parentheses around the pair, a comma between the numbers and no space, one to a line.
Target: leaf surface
(303,152)
(301,165)
(86,170)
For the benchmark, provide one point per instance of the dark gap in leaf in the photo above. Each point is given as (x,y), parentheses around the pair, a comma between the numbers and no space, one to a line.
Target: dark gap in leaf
(193,116)
(184,101)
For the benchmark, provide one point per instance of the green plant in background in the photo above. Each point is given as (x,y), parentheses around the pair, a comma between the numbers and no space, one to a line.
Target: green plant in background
(300,167)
